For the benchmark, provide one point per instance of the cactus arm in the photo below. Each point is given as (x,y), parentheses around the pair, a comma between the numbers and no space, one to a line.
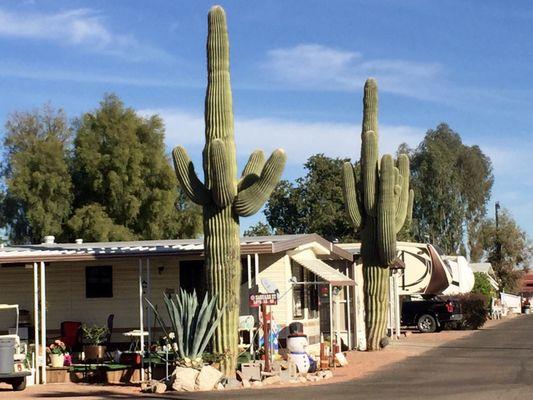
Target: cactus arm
(403,203)
(223,187)
(409,217)
(252,170)
(369,170)
(187,177)
(386,233)
(251,199)
(350,195)
(255,163)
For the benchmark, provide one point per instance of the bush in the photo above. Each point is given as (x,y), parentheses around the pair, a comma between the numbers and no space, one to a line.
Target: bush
(474,309)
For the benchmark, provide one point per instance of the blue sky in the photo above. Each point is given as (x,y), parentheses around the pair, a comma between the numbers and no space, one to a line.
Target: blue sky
(297,73)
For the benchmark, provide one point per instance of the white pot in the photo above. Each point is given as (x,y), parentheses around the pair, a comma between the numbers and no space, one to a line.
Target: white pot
(57,360)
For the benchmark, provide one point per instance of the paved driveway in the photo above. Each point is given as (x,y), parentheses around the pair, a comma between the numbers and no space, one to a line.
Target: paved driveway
(494,363)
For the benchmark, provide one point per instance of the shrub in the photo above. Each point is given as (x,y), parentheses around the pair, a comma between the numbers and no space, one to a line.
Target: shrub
(474,309)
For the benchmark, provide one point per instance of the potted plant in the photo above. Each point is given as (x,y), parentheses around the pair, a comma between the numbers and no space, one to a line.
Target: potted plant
(56,351)
(94,336)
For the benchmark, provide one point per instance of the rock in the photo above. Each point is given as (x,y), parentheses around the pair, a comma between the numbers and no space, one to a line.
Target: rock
(327,374)
(302,379)
(313,378)
(257,383)
(232,383)
(149,387)
(160,387)
(220,386)
(272,380)
(294,381)
(246,383)
(185,379)
(208,378)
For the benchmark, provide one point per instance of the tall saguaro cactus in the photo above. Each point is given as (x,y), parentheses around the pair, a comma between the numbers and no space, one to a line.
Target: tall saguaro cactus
(379,202)
(222,195)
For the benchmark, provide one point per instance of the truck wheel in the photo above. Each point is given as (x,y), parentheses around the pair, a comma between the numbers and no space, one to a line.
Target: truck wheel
(19,384)
(427,324)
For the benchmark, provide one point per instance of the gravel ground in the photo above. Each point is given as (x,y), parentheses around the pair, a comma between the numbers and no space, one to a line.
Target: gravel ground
(361,364)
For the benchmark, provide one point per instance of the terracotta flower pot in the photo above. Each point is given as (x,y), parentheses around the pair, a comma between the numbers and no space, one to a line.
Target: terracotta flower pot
(94,352)
(57,360)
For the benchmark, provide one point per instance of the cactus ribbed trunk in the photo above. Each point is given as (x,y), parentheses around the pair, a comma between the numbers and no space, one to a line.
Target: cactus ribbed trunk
(378,202)
(223,196)
(223,268)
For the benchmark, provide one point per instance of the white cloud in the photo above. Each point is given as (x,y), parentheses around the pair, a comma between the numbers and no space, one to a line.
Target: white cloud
(313,66)
(81,27)
(298,138)
(46,74)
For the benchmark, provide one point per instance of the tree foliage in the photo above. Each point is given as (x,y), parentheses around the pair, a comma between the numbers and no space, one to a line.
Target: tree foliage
(112,182)
(38,188)
(121,174)
(482,285)
(259,229)
(313,204)
(508,249)
(452,183)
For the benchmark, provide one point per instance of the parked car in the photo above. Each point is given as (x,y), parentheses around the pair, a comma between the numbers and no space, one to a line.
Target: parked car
(430,315)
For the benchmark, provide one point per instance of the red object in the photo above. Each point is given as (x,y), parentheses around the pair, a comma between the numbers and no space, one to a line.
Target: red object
(266,333)
(71,333)
(259,299)
(449,307)
(130,358)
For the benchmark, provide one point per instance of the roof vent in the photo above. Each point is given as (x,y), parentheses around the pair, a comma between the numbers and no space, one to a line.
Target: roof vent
(79,241)
(49,239)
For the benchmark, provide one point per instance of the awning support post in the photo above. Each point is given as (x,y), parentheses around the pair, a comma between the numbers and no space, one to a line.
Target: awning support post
(141,317)
(43,321)
(36,322)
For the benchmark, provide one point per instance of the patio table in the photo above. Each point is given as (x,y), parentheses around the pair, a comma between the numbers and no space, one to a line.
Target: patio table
(135,338)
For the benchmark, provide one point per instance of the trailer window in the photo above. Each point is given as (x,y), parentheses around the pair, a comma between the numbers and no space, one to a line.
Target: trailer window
(99,281)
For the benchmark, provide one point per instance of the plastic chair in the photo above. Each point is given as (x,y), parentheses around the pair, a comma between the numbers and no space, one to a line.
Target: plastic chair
(71,334)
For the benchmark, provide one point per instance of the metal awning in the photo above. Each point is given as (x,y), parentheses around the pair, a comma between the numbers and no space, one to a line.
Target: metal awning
(324,271)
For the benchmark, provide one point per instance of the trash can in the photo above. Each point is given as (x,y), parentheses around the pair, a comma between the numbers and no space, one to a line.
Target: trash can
(7,354)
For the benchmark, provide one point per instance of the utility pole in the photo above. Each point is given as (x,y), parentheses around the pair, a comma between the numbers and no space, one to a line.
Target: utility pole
(498,242)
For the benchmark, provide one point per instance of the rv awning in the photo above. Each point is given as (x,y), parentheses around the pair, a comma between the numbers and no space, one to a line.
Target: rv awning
(324,271)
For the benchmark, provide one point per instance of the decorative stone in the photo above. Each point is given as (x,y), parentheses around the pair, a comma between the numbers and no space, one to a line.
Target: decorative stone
(272,380)
(208,378)
(220,386)
(257,383)
(160,387)
(185,379)
(327,374)
(246,384)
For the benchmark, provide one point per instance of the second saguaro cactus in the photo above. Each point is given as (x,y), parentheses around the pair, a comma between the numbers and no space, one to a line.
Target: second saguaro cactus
(222,195)
(379,203)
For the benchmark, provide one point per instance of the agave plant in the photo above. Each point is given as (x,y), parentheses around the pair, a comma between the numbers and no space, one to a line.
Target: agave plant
(192,323)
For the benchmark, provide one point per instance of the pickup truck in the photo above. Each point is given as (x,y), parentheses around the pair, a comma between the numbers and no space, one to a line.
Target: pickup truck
(430,315)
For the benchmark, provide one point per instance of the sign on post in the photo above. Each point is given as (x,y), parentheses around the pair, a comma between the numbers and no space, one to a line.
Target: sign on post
(257,299)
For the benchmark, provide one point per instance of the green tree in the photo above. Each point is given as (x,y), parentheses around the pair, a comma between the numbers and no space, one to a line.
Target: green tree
(508,249)
(38,188)
(314,203)
(124,179)
(452,183)
(259,229)
(482,285)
